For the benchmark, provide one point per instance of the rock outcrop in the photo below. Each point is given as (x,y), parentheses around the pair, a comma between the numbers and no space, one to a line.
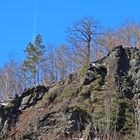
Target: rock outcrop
(10,110)
(101,101)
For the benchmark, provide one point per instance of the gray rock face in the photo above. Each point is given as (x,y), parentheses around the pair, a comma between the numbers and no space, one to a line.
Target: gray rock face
(68,122)
(30,97)
(75,109)
(10,111)
(124,69)
(94,71)
(5,119)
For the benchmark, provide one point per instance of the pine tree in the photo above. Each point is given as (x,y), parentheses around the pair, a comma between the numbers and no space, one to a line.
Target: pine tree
(35,56)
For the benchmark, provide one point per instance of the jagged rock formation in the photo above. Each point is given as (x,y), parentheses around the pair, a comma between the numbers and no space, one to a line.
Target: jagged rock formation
(10,110)
(101,101)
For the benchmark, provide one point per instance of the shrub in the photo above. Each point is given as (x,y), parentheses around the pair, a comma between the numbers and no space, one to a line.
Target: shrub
(50,97)
(70,91)
(83,71)
(83,112)
(85,92)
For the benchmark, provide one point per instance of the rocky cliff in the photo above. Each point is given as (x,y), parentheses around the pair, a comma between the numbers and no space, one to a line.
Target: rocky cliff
(101,101)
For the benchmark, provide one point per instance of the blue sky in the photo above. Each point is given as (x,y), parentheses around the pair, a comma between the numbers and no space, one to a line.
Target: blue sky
(21,20)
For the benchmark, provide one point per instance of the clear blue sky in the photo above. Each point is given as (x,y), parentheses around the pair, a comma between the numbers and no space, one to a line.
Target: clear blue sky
(21,20)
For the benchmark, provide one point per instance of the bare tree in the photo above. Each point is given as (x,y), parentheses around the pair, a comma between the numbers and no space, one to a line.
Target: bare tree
(109,39)
(12,80)
(57,65)
(129,34)
(82,36)
(50,72)
(62,61)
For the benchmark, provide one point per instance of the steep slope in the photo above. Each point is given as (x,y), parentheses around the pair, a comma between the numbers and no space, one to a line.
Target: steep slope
(101,101)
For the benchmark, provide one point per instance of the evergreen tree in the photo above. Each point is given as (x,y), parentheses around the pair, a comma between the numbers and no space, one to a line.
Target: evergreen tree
(35,56)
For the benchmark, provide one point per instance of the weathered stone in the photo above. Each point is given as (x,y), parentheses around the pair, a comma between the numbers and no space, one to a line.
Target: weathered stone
(24,102)
(110,86)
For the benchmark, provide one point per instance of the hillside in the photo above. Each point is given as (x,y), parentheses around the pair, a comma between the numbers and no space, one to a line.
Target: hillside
(100,101)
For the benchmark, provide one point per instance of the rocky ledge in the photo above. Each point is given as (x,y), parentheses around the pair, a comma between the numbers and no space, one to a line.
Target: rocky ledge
(101,101)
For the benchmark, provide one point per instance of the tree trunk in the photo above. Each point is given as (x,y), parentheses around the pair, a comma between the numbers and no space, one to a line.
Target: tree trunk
(88,49)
